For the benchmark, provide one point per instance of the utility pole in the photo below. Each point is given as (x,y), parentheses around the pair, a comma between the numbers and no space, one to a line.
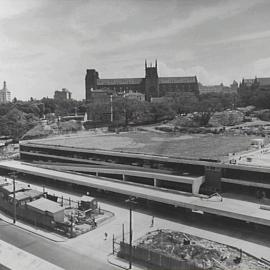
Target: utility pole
(131,203)
(13,176)
(130,238)
(111,103)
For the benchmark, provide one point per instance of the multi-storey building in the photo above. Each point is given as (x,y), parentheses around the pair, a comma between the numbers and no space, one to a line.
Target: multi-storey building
(219,88)
(5,95)
(151,85)
(62,95)
(257,83)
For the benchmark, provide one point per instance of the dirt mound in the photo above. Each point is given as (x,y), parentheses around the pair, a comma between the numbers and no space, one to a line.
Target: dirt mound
(203,253)
(43,130)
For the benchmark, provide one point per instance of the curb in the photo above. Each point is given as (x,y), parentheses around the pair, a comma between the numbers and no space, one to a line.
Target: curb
(113,259)
(109,260)
(31,231)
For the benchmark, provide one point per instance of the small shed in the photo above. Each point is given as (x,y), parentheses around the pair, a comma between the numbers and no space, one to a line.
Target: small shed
(88,203)
(26,196)
(7,189)
(4,181)
(48,207)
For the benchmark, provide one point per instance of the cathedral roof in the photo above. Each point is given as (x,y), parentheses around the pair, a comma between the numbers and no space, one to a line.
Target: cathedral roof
(264,81)
(121,81)
(192,79)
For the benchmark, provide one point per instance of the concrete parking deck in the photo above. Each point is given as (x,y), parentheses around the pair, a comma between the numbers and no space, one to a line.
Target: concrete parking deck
(231,208)
(194,181)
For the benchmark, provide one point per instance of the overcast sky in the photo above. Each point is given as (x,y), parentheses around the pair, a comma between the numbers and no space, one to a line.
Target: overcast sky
(48,44)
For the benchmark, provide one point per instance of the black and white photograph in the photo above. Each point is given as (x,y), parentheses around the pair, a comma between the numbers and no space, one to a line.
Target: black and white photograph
(135,134)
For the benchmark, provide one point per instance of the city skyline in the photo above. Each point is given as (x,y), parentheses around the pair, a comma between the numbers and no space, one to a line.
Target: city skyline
(47,45)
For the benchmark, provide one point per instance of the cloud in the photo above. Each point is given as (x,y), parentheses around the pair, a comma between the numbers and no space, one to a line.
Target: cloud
(261,67)
(48,44)
(12,8)
(202,74)
(240,38)
(197,17)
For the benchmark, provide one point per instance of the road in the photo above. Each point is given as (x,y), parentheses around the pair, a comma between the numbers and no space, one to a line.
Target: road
(50,251)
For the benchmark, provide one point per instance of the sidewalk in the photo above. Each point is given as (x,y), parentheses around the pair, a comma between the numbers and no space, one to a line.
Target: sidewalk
(124,264)
(18,259)
(30,228)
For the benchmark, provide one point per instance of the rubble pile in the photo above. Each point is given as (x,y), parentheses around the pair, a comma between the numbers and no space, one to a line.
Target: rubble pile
(204,253)
(226,118)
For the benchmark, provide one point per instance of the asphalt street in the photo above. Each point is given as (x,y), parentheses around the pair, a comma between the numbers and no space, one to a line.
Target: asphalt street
(49,250)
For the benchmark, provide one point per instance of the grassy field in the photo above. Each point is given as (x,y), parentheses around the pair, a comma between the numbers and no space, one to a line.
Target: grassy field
(178,145)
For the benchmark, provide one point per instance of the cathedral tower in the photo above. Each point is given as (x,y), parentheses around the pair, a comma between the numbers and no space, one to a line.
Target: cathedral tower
(90,82)
(151,81)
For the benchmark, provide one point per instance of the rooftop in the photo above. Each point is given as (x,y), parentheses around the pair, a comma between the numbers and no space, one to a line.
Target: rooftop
(119,81)
(264,81)
(18,187)
(4,181)
(24,195)
(86,198)
(46,205)
(191,79)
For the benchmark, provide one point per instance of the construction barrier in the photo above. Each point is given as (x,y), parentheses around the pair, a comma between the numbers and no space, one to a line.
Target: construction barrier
(154,259)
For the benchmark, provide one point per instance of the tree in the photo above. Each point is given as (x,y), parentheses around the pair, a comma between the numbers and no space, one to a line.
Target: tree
(261,99)
(16,123)
(207,106)
(182,102)
(162,111)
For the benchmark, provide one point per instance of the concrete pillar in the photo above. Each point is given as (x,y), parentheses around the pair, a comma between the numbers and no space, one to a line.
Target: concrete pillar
(123,177)
(96,173)
(197,184)
(156,182)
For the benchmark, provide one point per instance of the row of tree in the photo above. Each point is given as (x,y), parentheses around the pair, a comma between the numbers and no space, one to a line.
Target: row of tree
(254,95)
(127,111)
(18,117)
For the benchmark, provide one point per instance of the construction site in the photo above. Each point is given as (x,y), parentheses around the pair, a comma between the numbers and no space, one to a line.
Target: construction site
(167,249)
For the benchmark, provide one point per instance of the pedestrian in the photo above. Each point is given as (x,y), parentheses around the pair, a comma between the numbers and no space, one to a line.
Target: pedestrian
(152,221)
(105,236)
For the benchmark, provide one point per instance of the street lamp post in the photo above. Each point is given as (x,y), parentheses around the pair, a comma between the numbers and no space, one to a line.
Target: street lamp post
(131,203)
